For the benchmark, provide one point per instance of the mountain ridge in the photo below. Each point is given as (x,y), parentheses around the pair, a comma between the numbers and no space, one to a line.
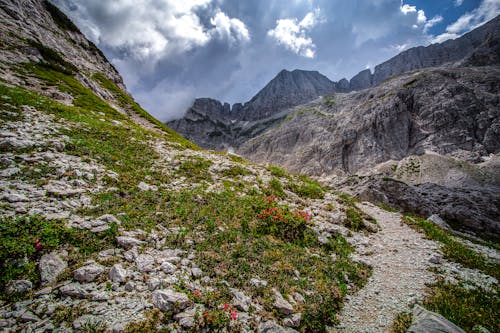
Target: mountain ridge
(288,89)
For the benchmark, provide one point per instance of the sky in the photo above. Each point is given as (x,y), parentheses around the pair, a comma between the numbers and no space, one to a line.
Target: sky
(172,51)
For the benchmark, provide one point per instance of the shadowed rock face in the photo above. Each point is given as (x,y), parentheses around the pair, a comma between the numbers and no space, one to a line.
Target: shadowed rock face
(212,124)
(449,111)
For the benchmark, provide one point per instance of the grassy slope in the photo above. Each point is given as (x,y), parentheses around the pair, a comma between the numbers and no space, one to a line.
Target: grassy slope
(233,242)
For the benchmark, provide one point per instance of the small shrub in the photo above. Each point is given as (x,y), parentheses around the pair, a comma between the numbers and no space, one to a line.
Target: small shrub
(195,168)
(235,171)
(282,223)
(402,322)
(275,188)
(307,188)
(329,101)
(277,171)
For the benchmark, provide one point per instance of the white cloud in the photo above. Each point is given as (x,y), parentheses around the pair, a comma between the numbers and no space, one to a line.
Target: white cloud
(150,30)
(487,10)
(231,29)
(432,22)
(292,34)
(405,9)
(458,3)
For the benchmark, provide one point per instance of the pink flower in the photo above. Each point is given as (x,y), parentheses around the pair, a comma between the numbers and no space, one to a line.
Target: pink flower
(234,314)
(38,246)
(197,293)
(226,306)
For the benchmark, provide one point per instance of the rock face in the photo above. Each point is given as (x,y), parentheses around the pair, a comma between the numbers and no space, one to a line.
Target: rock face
(448,111)
(477,48)
(471,209)
(215,125)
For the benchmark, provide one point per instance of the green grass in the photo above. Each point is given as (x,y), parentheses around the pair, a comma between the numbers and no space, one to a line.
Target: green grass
(277,171)
(306,187)
(402,322)
(452,249)
(19,252)
(127,102)
(231,241)
(235,171)
(465,307)
(195,168)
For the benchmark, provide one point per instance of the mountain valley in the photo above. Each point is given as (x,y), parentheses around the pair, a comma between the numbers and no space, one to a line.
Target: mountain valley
(372,210)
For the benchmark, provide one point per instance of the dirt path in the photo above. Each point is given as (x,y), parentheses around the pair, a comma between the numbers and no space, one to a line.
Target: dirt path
(400,258)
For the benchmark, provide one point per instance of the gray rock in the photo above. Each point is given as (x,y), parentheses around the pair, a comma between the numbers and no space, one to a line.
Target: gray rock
(293,320)
(14,197)
(18,286)
(169,300)
(254,282)
(130,286)
(145,263)
(282,305)
(86,320)
(88,273)
(425,321)
(128,242)
(74,290)
(28,316)
(168,268)
(241,301)
(271,327)
(117,273)
(187,318)
(51,266)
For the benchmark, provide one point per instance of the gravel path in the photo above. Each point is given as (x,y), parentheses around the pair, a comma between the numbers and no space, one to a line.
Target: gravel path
(400,258)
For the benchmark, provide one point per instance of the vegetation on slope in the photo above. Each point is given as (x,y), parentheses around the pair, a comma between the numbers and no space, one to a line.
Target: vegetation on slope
(238,232)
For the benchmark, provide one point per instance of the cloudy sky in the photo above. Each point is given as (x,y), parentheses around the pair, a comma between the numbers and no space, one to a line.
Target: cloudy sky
(171,51)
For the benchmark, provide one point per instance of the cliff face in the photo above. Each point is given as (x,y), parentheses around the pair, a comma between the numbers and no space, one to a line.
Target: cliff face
(36,31)
(450,53)
(214,125)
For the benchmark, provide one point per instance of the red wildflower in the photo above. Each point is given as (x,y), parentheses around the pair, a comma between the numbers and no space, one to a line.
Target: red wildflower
(226,306)
(234,314)
(197,293)
(38,246)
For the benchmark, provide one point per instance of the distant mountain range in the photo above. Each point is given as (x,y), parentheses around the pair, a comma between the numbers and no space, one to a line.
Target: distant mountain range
(216,125)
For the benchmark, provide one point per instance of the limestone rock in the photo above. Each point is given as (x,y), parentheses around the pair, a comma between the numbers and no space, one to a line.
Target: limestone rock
(117,273)
(128,242)
(425,321)
(169,300)
(282,305)
(50,266)
(88,273)
(145,263)
(271,327)
(18,286)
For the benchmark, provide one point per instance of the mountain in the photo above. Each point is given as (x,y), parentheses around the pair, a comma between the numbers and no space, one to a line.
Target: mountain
(211,128)
(112,222)
(214,125)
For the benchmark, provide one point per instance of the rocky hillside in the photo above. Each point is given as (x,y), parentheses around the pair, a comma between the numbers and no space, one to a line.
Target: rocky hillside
(214,125)
(111,222)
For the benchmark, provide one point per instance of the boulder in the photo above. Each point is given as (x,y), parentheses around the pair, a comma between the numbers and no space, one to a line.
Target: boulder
(425,321)
(50,266)
(88,273)
(169,300)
